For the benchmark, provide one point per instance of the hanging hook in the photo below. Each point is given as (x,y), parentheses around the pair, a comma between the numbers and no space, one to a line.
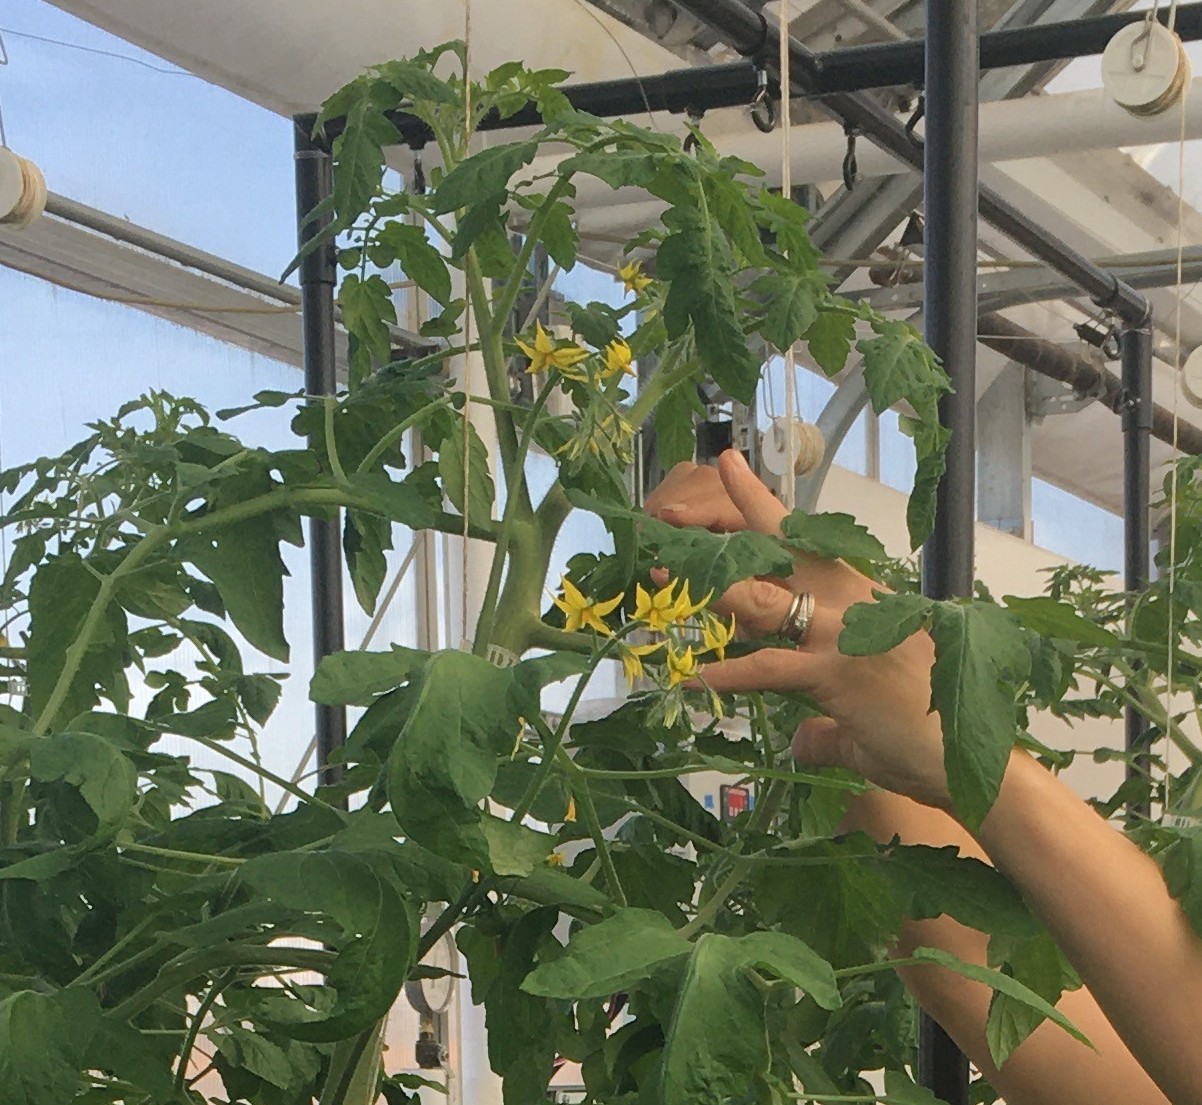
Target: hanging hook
(763,108)
(690,139)
(850,168)
(920,109)
(1142,42)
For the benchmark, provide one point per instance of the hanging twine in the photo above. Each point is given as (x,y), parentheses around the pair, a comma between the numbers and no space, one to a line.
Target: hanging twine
(786,187)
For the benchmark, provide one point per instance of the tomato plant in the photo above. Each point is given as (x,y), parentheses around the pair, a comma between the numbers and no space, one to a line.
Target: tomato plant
(153,911)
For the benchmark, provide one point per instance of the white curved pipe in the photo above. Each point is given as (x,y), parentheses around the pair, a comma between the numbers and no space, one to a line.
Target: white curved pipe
(1011,130)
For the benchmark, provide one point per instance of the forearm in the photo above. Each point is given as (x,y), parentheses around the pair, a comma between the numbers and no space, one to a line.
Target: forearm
(1107,905)
(1050,1068)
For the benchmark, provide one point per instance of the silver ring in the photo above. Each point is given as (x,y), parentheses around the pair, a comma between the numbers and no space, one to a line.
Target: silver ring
(796,623)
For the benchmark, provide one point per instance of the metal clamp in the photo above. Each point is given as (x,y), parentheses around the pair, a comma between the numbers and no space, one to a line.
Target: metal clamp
(419,172)
(690,139)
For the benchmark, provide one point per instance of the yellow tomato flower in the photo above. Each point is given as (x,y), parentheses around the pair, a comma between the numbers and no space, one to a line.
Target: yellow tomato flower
(617,359)
(716,634)
(658,610)
(545,355)
(556,859)
(633,278)
(581,612)
(685,607)
(681,666)
(570,814)
(632,659)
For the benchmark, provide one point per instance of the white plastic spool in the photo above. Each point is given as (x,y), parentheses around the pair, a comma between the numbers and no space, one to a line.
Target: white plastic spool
(22,190)
(1191,378)
(808,447)
(1145,68)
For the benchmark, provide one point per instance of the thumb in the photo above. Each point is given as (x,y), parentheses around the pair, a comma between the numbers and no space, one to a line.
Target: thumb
(755,502)
(819,743)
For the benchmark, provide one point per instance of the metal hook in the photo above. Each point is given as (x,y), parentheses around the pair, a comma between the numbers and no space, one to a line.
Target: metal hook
(920,109)
(850,168)
(1139,47)
(690,139)
(763,107)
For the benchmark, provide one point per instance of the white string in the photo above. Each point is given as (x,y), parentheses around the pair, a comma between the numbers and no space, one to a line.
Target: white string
(467,331)
(786,187)
(1168,690)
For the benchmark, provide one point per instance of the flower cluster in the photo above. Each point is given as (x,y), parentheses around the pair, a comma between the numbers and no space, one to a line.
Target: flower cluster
(687,629)
(574,362)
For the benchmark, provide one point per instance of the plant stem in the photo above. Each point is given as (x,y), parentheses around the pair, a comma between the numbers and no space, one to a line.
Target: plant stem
(664,380)
(95,969)
(505,300)
(764,811)
(515,490)
(204,960)
(329,406)
(202,1011)
(450,916)
(271,777)
(584,798)
(172,853)
(398,431)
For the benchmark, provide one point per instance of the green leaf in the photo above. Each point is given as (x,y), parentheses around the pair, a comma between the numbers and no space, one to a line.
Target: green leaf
(980,656)
(901,1091)
(444,763)
(930,447)
(379,930)
(831,536)
(1182,861)
(695,259)
(559,235)
(365,538)
(60,597)
(481,176)
(899,366)
(418,258)
(243,561)
(105,778)
(717,1045)
(1003,984)
(359,157)
(1049,618)
(792,299)
(675,431)
(356,678)
(937,881)
(514,849)
(1038,963)
(617,168)
(368,314)
(44,1039)
(873,627)
(829,339)
(472,471)
(415,82)
(608,957)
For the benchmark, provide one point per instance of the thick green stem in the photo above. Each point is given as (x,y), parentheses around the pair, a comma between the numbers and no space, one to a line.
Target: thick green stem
(515,515)
(668,376)
(496,371)
(191,857)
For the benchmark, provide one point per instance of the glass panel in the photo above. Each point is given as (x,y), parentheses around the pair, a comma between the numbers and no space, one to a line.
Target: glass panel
(897,455)
(1068,525)
(119,129)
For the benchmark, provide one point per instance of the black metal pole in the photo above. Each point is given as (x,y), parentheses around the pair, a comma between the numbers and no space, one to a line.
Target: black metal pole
(1137,410)
(314,183)
(950,311)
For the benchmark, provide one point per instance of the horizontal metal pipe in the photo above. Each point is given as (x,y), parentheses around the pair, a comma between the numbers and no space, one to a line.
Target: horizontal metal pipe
(1058,363)
(881,65)
(728,19)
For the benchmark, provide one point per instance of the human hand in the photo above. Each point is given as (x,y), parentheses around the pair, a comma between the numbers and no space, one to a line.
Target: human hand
(879,719)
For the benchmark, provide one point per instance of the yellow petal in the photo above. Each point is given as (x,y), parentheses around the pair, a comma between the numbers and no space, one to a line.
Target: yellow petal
(609,605)
(570,815)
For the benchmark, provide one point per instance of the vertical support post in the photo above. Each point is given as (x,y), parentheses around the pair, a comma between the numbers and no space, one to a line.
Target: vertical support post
(1136,400)
(315,184)
(950,307)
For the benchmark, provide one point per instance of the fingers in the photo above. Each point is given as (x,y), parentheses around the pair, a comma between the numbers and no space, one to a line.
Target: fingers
(818,743)
(769,669)
(759,606)
(693,495)
(754,501)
